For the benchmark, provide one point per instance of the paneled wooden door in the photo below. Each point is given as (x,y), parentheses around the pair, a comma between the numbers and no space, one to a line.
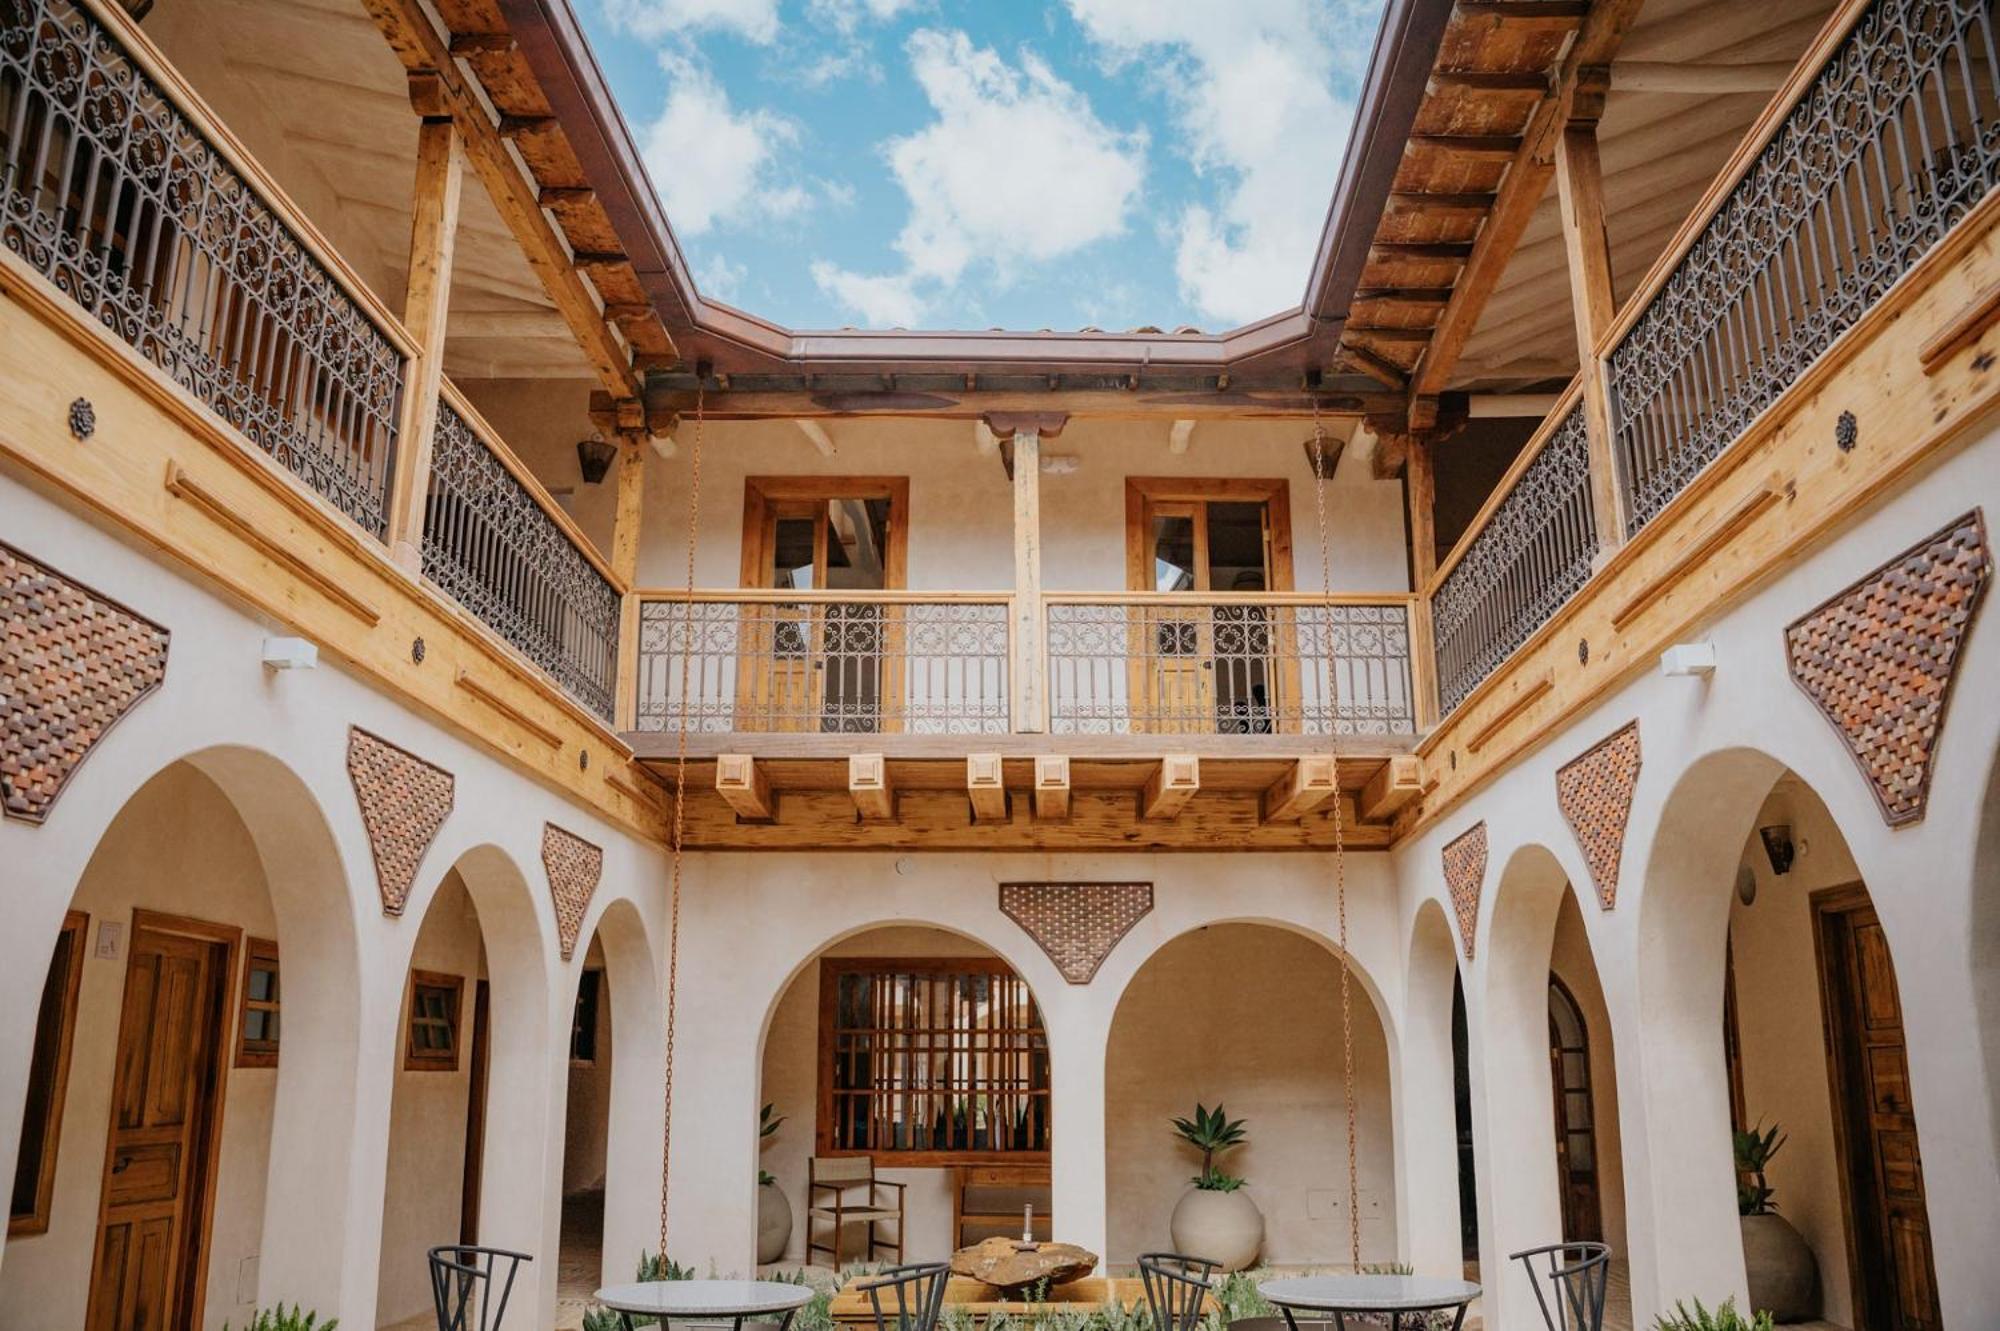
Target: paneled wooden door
(166,1117)
(1576,1117)
(1889,1232)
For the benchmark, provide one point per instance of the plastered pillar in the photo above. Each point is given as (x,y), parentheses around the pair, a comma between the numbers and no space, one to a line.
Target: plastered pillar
(1078,1030)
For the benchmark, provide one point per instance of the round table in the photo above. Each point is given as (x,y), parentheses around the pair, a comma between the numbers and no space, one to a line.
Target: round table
(705,1300)
(1394,1296)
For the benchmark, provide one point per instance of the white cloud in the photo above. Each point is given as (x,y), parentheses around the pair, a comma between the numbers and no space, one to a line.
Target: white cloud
(718,277)
(755,20)
(847,15)
(1016,169)
(1262,97)
(715,165)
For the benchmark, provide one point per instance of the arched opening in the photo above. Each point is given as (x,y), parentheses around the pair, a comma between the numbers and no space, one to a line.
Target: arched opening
(1780,1009)
(466,1163)
(199,1017)
(1436,1207)
(1983,941)
(1549,1080)
(1247,1016)
(918,1055)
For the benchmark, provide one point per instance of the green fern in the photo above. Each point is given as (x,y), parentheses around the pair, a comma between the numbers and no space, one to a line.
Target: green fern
(1724,1318)
(281,1318)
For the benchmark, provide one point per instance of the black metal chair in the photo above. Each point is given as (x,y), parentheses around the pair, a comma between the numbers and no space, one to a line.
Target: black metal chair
(1177,1288)
(471,1285)
(919,1294)
(1577,1274)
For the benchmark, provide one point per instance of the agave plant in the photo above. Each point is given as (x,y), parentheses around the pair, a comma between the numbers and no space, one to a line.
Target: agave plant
(1724,1318)
(768,1122)
(1212,1134)
(1754,1149)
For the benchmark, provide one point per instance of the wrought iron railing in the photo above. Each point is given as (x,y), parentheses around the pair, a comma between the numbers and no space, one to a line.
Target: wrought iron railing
(1525,555)
(496,544)
(1890,143)
(825,662)
(110,189)
(1229,664)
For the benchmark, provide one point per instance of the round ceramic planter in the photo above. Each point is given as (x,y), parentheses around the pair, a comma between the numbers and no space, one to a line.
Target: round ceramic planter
(1784,1274)
(1223,1227)
(774,1223)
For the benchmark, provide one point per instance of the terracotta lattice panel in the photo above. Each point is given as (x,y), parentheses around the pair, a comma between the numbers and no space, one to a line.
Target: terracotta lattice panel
(72,663)
(404,801)
(574,866)
(1464,874)
(1594,791)
(1879,659)
(1077,924)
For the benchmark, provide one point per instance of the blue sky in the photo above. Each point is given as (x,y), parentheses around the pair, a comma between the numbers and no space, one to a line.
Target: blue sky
(1006,163)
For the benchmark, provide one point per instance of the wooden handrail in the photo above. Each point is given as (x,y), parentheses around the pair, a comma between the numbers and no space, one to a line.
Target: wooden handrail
(1546,431)
(779,596)
(1197,599)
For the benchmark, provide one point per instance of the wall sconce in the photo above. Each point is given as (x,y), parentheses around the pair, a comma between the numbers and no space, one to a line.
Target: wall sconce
(1778,847)
(593,457)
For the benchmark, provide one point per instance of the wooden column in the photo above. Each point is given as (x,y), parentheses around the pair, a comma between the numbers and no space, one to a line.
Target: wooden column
(625,532)
(433,236)
(1023,447)
(1420,493)
(1580,182)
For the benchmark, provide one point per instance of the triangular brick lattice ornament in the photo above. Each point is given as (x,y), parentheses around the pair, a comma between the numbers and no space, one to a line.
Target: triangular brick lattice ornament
(1594,791)
(574,866)
(404,801)
(1879,659)
(1464,873)
(1077,924)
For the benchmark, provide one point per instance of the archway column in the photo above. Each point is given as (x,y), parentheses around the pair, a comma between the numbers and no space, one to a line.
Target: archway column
(637,1104)
(1080,1028)
(1422,1098)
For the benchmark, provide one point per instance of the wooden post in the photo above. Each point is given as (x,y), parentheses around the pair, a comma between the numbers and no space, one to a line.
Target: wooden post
(1028,665)
(1420,490)
(433,236)
(1580,182)
(625,532)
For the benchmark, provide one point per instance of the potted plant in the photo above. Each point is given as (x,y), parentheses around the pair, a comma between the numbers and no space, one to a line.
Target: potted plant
(1215,1219)
(774,1209)
(1783,1274)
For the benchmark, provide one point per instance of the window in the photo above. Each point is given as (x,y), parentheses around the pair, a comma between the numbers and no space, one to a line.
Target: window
(931,1061)
(48,1077)
(433,1037)
(257,1031)
(583,1022)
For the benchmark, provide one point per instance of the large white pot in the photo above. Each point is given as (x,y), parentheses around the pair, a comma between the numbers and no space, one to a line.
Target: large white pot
(1783,1273)
(774,1223)
(1222,1227)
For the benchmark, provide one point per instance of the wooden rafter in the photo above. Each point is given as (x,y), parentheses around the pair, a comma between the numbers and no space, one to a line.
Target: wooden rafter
(518,198)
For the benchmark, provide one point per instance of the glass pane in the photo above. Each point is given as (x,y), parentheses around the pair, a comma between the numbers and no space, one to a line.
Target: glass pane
(1236,548)
(1576,1110)
(1576,1070)
(271,1026)
(263,984)
(253,1026)
(1582,1153)
(1173,553)
(792,555)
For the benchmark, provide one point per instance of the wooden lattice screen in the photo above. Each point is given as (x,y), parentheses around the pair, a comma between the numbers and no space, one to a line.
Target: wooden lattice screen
(931,1060)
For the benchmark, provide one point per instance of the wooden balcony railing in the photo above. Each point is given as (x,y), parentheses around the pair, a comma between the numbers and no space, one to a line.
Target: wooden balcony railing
(1527,552)
(825,662)
(116,186)
(1251,663)
(1884,139)
(495,542)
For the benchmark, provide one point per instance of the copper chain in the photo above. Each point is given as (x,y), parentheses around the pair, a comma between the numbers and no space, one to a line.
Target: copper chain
(1339,847)
(680,815)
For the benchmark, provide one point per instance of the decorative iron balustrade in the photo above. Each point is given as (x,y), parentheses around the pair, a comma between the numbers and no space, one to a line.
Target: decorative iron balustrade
(111,192)
(825,663)
(1513,573)
(1234,664)
(1888,147)
(494,547)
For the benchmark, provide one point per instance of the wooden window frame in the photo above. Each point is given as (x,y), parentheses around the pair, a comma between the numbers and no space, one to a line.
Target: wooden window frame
(831,969)
(762,493)
(259,1053)
(423,1060)
(1142,492)
(72,939)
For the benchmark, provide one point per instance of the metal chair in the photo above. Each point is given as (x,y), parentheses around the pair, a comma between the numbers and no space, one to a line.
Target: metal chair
(919,1289)
(1177,1288)
(1578,1274)
(463,1282)
(829,1182)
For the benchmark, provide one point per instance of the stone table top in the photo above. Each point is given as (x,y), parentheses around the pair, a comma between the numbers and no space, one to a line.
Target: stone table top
(1366,1293)
(705,1298)
(1004,1264)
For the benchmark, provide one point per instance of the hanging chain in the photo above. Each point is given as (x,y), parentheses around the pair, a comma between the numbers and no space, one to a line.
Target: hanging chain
(1339,845)
(680,811)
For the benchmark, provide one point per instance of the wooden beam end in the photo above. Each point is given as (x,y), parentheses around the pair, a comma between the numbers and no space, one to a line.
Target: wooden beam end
(1170,787)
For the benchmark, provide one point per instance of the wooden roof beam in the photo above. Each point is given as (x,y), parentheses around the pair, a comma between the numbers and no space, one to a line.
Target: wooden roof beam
(868,786)
(515,195)
(1173,783)
(1051,787)
(745,786)
(1521,191)
(985,788)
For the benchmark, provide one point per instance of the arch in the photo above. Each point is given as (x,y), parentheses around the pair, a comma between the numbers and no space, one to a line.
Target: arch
(1246,1011)
(1983,943)
(1428,1188)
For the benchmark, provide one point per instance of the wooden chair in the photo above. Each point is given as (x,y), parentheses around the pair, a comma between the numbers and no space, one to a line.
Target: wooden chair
(831,1182)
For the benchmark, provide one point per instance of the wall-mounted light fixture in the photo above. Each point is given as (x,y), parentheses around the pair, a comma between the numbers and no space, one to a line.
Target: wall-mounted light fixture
(290,654)
(1778,847)
(594,457)
(1688,658)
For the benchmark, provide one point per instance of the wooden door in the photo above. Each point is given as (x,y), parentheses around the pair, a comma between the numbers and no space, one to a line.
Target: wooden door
(1889,1232)
(475,1117)
(1173,679)
(1575,1117)
(166,1117)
